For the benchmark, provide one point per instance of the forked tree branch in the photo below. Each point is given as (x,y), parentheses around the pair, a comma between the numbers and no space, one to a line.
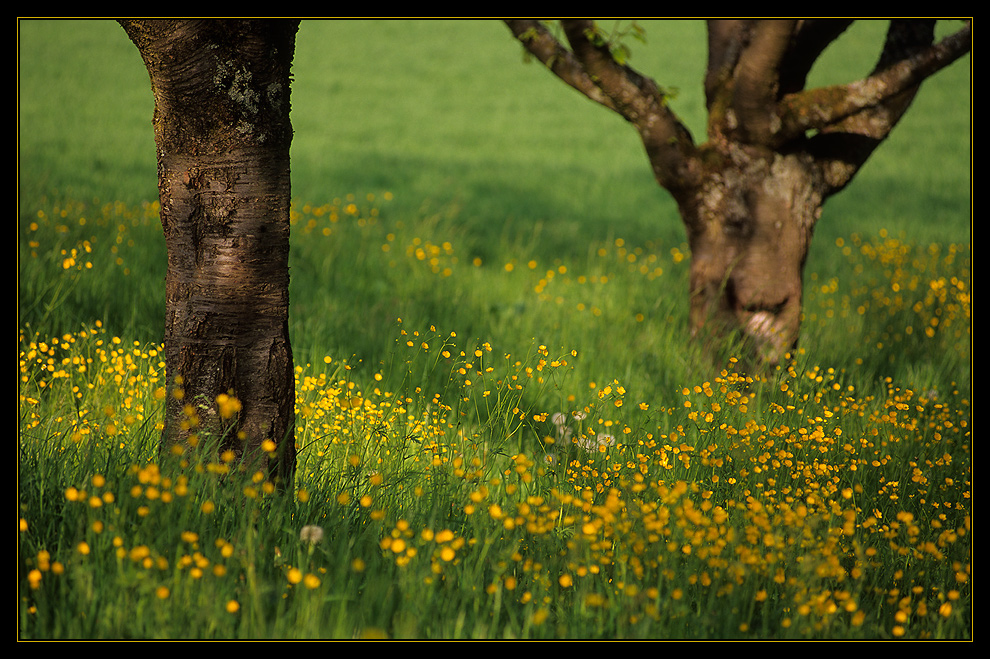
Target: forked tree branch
(754,89)
(589,67)
(811,38)
(539,42)
(633,96)
(818,109)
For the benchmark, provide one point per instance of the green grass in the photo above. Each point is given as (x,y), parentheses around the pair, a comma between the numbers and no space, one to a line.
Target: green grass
(475,248)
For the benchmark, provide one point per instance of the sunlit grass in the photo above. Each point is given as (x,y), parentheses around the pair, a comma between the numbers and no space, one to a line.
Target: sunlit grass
(452,485)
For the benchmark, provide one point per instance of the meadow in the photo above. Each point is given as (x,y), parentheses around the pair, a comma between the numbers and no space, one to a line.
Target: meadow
(504,431)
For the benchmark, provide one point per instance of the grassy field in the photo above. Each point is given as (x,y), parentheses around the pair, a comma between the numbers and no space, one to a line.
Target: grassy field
(503,429)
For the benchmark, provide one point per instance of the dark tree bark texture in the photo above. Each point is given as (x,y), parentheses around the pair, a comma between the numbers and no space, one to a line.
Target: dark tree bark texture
(222,131)
(750,195)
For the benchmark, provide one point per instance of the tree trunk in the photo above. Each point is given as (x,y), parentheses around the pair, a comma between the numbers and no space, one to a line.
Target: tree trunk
(749,225)
(222,132)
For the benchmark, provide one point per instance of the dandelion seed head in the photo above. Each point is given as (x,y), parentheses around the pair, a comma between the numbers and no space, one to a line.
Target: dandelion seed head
(312,534)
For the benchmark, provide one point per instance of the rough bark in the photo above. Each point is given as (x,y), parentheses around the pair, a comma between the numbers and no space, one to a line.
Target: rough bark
(222,131)
(750,195)
(749,225)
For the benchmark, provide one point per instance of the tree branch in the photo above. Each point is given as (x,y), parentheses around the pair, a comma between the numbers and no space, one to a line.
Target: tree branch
(535,37)
(753,63)
(589,67)
(811,38)
(726,39)
(818,109)
(633,95)
(756,80)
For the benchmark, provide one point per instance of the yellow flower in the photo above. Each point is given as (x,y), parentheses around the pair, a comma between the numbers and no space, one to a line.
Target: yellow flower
(228,405)
(34,579)
(233,606)
(594,599)
(295,575)
(311,581)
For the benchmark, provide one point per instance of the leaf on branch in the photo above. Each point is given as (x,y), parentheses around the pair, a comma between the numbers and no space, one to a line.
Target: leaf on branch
(595,35)
(619,51)
(620,54)
(528,35)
